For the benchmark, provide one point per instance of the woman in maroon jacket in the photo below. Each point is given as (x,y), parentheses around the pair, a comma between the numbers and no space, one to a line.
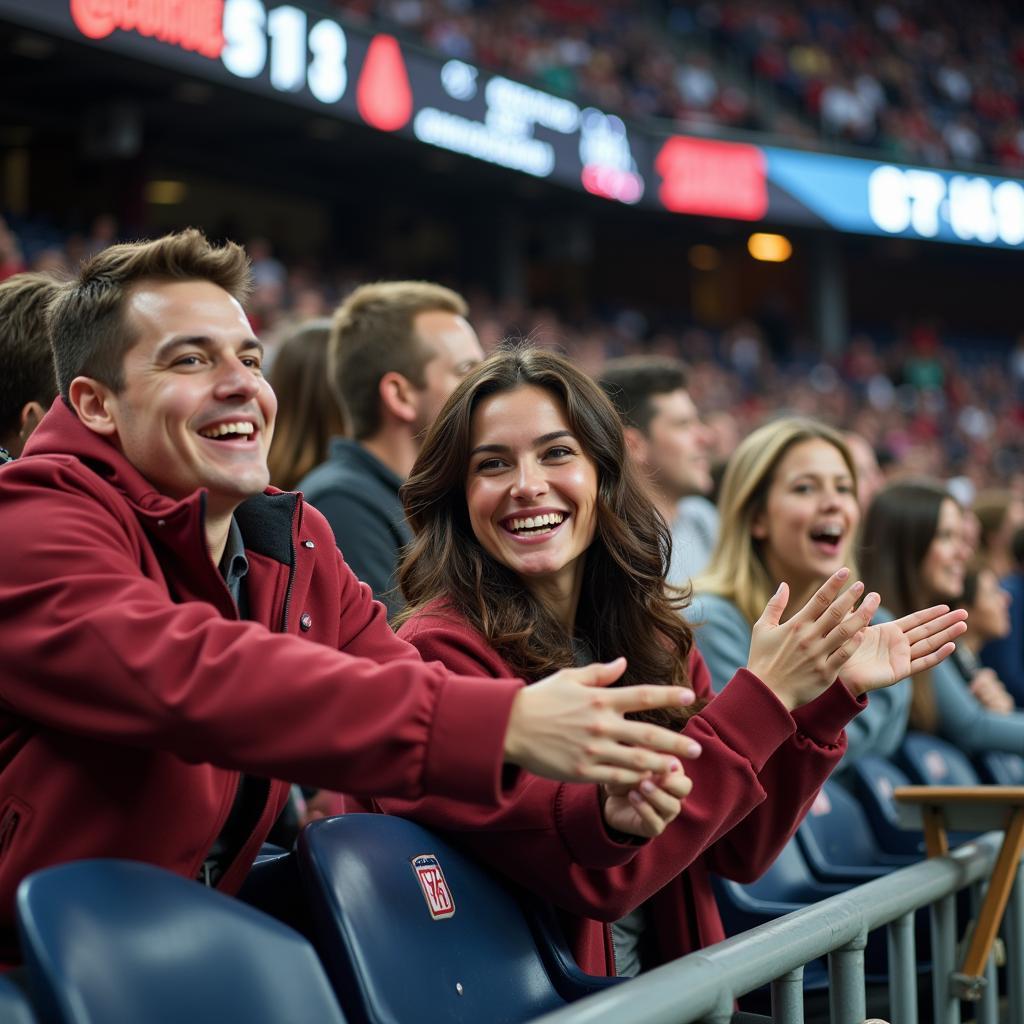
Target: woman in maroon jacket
(535,548)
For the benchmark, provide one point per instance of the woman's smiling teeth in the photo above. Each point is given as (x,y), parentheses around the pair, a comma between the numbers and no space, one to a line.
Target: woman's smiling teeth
(830,533)
(228,430)
(535,524)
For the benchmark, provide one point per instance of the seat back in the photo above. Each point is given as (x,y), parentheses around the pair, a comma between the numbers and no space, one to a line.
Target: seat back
(411,929)
(931,761)
(790,880)
(118,942)
(15,1007)
(1000,767)
(837,840)
(875,780)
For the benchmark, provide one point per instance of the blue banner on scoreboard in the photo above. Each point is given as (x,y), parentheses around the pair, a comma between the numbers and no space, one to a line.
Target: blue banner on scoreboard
(317,62)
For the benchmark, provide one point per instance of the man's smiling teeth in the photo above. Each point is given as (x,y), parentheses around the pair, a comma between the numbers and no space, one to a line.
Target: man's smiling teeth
(224,429)
(537,522)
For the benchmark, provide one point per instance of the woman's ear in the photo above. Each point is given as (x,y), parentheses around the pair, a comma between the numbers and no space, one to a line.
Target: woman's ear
(759,526)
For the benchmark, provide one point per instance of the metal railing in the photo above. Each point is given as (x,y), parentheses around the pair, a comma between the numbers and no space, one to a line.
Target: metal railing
(703,986)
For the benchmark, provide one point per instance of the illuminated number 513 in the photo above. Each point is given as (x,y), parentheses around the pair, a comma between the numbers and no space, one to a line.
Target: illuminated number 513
(247,27)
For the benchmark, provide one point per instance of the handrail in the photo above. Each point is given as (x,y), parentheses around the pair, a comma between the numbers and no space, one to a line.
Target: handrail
(703,985)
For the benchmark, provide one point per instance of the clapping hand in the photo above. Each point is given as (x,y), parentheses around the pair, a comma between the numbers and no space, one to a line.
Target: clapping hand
(891,651)
(646,810)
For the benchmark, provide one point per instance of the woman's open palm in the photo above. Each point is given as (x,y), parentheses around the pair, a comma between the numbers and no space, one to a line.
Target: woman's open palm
(891,651)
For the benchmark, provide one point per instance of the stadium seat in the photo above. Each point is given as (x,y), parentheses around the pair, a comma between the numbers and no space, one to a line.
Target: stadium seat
(838,843)
(272,886)
(786,886)
(874,780)
(410,929)
(931,761)
(118,942)
(1000,768)
(15,1007)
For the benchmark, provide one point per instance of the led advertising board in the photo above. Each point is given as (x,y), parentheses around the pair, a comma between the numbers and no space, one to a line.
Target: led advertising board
(315,61)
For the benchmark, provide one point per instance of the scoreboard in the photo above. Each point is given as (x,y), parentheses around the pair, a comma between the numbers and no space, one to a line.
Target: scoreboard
(298,55)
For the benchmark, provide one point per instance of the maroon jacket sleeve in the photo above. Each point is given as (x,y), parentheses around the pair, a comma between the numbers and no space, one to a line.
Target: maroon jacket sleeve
(549,822)
(791,776)
(91,643)
(528,841)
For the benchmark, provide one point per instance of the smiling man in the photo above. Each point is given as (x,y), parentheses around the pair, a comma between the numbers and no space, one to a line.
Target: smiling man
(179,641)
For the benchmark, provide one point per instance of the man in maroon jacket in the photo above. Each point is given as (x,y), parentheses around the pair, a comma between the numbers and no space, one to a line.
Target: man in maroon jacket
(158,599)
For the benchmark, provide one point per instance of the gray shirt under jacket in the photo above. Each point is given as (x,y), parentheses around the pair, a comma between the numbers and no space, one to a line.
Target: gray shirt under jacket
(722,634)
(358,495)
(693,539)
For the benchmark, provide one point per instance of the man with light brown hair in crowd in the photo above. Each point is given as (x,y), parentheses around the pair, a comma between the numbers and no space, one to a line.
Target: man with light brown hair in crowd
(396,352)
(27,381)
(179,641)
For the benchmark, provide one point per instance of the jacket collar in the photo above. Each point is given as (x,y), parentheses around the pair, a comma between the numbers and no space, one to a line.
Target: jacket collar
(265,519)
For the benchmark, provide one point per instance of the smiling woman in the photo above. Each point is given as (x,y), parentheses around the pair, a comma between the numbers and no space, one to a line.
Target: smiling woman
(536,548)
(789,514)
(914,549)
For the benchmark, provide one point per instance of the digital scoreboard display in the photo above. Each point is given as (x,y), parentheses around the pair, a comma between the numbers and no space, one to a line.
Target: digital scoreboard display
(317,62)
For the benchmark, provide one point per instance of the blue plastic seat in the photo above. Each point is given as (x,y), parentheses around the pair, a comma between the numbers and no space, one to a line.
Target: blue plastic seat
(931,761)
(1000,768)
(15,1007)
(119,942)
(272,886)
(875,779)
(786,886)
(838,843)
(411,929)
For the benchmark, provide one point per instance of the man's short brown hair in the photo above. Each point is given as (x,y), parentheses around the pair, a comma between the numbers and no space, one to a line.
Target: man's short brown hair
(88,330)
(631,383)
(372,334)
(26,362)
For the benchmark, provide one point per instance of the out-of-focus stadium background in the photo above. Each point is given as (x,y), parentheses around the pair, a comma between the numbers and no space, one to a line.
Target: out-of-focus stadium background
(588,174)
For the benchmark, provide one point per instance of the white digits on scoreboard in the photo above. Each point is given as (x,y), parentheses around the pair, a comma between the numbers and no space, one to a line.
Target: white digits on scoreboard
(286,27)
(245,42)
(250,33)
(327,75)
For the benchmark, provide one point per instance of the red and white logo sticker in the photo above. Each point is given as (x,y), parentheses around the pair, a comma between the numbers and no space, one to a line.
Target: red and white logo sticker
(435,888)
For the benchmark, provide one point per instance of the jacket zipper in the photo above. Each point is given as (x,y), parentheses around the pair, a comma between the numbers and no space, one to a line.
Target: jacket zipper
(296,523)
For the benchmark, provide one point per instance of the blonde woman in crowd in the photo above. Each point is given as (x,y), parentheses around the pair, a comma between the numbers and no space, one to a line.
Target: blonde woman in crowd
(789,514)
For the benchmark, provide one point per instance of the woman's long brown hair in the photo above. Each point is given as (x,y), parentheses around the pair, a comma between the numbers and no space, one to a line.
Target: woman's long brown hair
(897,532)
(625,608)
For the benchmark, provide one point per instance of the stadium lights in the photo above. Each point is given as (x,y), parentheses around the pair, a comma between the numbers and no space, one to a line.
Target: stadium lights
(769,248)
(165,193)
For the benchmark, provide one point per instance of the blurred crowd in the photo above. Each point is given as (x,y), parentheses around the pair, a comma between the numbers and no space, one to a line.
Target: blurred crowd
(928,405)
(938,83)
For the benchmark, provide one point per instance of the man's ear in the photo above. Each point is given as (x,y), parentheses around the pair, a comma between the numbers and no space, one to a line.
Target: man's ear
(636,445)
(398,396)
(93,402)
(31,414)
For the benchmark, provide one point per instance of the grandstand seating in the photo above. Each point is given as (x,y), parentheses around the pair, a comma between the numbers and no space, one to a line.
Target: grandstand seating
(931,761)
(120,942)
(874,780)
(15,1007)
(409,928)
(1000,768)
(272,886)
(838,843)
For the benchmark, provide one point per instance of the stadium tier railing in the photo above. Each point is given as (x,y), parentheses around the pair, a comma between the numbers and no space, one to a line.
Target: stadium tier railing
(703,986)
